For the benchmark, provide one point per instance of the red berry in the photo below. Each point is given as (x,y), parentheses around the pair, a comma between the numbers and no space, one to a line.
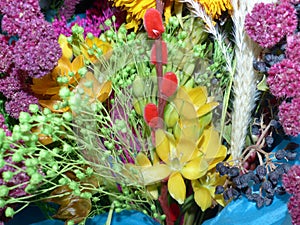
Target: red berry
(169,84)
(153,23)
(151,114)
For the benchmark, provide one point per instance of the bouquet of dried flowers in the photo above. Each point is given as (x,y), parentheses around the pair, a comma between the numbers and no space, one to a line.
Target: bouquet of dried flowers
(171,108)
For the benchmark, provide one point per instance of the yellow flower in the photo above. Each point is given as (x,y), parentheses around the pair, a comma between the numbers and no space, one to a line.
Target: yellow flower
(93,47)
(214,8)
(65,47)
(136,10)
(47,87)
(204,190)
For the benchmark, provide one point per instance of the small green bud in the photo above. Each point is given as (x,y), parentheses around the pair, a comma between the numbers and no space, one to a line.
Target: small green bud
(64,92)
(7,175)
(47,111)
(67,148)
(3,191)
(62,181)
(108,22)
(2,203)
(171,115)
(17,157)
(90,36)
(36,178)
(33,108)
(109,33)
(24,117)
(30,188)
(86,195)
(70,222)
(82,71)
(138,87)
(25,127)
(9,212)
(2,163)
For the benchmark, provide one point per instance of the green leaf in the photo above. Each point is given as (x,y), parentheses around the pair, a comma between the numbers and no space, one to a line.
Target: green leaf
(262,85)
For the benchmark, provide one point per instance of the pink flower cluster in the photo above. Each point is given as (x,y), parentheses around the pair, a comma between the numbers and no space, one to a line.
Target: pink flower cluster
(268,23)
(284,78)
(291,182)
(290,117)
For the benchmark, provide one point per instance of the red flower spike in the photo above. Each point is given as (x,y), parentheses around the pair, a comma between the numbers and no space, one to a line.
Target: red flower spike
(169,84)
(153,23)
(151,115)
(164,54)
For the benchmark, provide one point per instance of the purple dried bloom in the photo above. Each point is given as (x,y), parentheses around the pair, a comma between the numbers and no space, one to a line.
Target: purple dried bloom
(291,182)
(17,13)
(289,116)
(3,126)
(267,24)
(293,47)
(6,55)
(60,26)
(12,83)
(284,78)
(19,102)
(94,17)
(37,51)
(68,8)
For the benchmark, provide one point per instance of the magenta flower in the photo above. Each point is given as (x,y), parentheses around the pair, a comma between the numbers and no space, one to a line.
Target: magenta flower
(289,116)
(267,24)
(291,182)
(68,8)
(284,78)
(293,47)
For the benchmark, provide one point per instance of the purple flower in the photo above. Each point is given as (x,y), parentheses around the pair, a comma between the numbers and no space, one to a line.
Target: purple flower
(284,78)
(289,116)
(68,8)
(3,126)
(13,83)
(293,47)
(94,17)
(19,102)
(6,55)
(267,24)
(291,182)
(37,51)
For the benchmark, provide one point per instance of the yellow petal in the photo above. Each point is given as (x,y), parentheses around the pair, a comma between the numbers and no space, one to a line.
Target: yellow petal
(105,91)
(152,189)
(220,156)
(65,46)
(162,145)
(206,108)
(184,105)
(176,187)
(198,95)
(195,169)
(77,63)
(142,160)
(185,149)
(155,173)
(203,198)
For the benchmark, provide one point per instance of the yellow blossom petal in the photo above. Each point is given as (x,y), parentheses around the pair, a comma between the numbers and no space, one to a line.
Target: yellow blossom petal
(214,8)
(155,173)
(176,187)
(206,108)
(142,160)
(203,198)
(65,46)
(198,95)
(195,168)
(162,145)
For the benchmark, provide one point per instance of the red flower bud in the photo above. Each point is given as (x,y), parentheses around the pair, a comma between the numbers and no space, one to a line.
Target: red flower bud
(169,84)
(151,115)
(163,58)
(153,23)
